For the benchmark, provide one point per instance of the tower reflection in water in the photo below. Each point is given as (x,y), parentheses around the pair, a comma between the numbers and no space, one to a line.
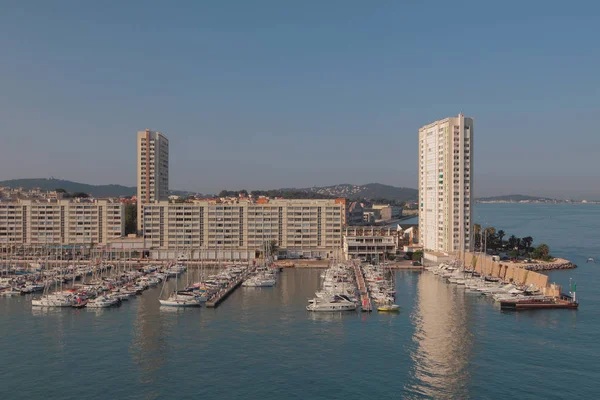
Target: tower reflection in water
(149,348)
(442,342)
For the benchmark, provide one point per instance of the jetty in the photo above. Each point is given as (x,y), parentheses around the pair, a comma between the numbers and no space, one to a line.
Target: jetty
(365,299)
(218,297)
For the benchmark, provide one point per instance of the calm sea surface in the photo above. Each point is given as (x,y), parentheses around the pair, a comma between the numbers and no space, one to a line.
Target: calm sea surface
(263,344)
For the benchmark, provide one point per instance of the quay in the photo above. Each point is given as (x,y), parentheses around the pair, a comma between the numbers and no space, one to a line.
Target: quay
(222,294)
(365,299)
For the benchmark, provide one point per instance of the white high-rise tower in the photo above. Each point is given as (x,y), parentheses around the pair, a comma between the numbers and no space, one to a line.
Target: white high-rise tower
(153,170)
(446,184)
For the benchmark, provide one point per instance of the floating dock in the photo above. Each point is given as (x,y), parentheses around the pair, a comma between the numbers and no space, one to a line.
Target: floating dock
(222,294)
(365,299)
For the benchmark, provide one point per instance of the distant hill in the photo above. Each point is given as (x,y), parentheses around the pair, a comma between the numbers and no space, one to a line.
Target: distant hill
(71,187)
(514,198)
(369,191)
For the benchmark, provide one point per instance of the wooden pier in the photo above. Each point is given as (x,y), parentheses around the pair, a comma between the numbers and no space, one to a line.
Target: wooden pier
(365,299)
(222,294)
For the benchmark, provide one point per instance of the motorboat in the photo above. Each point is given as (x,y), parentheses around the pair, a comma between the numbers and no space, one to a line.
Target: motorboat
(103,302)
(338,303)
(184,294)
(31,287)
(10,292)
(389,308)
(259,281)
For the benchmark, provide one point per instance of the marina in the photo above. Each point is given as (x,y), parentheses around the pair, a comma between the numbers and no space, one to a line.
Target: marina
(365,299)
(509,294)
(221,294)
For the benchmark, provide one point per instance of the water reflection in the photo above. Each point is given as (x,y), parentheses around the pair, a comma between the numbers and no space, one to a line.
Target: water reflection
(442,342)
(149,348)
(330,316)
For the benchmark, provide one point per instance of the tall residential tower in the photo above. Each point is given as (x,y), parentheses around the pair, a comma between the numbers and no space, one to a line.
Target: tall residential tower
(446,184)
(153,170)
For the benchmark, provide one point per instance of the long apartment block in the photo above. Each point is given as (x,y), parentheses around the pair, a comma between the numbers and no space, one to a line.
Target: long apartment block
(61,222)
(237,231)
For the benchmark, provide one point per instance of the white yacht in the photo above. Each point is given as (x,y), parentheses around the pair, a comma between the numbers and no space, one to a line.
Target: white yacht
(176,300)
(103,302)
(338,303)
(54,300)
(259,281)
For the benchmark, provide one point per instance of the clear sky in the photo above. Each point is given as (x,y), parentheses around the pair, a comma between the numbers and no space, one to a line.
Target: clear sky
(267,94)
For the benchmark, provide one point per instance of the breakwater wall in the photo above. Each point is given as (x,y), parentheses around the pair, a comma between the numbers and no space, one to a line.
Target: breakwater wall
(559,264)
(505,271)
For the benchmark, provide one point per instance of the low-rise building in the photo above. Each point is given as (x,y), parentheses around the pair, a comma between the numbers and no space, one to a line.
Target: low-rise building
(387,212)
(238,230)
(370,242)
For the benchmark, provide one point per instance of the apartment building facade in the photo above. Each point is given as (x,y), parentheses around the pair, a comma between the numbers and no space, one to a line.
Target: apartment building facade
(61,222)
(239,230)
(446,184)
(152,170)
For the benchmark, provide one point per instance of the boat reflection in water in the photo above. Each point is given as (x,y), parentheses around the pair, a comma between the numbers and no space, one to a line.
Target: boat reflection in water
(442,342)
(329,316)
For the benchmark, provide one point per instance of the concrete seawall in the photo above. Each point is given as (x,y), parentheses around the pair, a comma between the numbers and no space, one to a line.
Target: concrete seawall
(511,273)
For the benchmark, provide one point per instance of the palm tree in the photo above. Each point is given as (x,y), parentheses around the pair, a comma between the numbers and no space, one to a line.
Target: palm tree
(477,233)
(512,242)
(501,235)
(527,242)
(491,232)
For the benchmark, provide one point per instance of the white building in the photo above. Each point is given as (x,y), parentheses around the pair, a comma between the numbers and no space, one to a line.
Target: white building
(372,243)
(62,222)
(446,184)
(153,170)
(238,230)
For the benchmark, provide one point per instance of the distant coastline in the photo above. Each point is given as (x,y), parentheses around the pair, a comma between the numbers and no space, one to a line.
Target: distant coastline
(481,201)
(519,198)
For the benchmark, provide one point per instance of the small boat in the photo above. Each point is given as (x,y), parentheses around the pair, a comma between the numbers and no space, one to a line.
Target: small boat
(53,300)
(389,308)
(81,304)
(259,281)
(11,292)
(591,260)
(103,302)
(338,303)
(538,304)
(176,301)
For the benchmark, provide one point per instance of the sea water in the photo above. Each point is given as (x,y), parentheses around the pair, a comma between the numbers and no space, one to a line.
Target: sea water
(261,343)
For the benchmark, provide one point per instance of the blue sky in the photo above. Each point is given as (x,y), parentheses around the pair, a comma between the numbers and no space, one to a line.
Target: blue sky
(266,94)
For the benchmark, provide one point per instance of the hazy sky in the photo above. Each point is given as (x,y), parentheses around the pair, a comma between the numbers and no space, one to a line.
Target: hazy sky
(265,94)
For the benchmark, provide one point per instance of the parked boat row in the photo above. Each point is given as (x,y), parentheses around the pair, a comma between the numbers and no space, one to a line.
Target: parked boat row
(509,294)
(338,291)
(380,283)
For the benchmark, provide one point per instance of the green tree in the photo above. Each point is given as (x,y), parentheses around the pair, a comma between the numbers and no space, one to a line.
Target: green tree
(60,190)
(512,242)
(491,237)
(272,247)
(501,235)
(542,252)
(417,255)
(527,242)
(130,218)
(477,234)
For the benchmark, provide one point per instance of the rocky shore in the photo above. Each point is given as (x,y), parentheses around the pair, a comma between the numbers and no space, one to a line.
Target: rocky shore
(558,263)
